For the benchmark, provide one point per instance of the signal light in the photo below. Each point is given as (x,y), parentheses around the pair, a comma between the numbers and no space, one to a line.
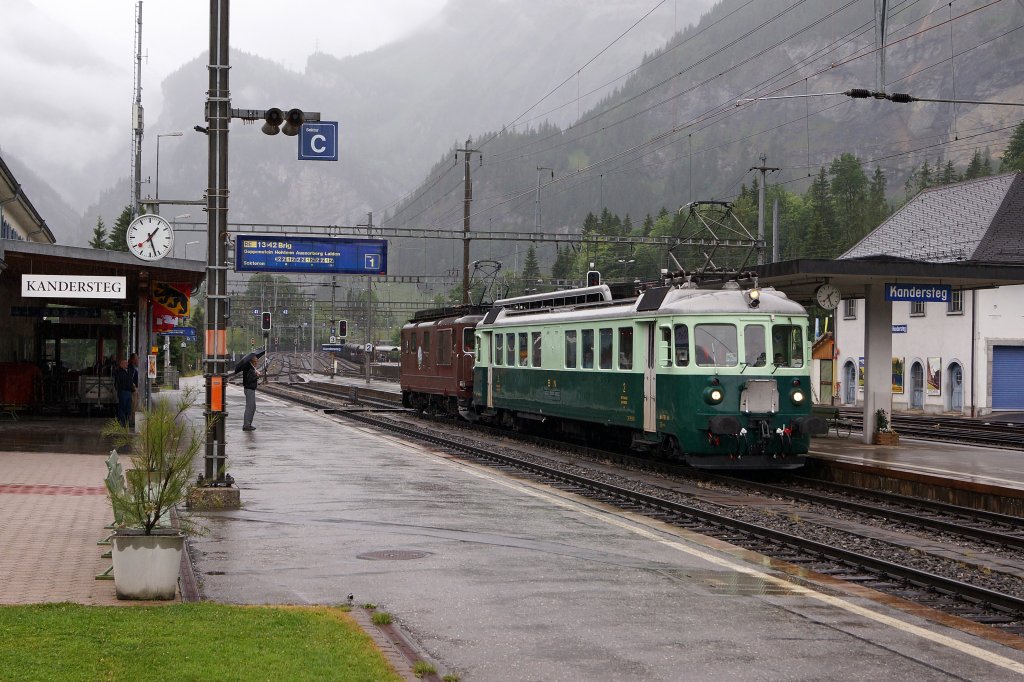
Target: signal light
(266,321)
(342,327)
(274,118)
(293,121)
(593,278)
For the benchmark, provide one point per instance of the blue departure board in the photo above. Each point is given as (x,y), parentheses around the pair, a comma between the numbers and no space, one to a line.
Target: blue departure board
(310,255)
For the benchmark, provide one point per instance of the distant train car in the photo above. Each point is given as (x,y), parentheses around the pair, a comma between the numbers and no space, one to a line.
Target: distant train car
(717,377)
(436,359)
(385,353)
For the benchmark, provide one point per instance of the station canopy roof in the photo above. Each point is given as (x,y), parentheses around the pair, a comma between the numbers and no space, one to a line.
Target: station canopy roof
(969,235)
(20,257)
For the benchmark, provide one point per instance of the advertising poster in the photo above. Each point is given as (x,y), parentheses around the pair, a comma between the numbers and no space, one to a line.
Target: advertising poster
(151,366)
(860,372)
(897,375)
(934,376)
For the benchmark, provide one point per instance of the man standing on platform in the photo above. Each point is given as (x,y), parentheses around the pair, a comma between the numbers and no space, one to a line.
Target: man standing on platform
(250,379)
(123,388)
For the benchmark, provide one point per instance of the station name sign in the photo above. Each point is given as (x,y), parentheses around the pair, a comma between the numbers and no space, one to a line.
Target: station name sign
(919,293)
(72,286)
(311,255)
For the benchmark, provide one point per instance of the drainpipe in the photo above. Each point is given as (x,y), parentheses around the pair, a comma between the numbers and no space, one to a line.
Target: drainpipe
(974,318)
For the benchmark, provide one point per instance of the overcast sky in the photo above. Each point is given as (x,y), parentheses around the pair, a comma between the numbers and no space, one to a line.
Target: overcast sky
(70,63)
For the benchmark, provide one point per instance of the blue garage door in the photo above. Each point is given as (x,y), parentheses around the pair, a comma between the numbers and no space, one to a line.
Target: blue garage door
(1008,378)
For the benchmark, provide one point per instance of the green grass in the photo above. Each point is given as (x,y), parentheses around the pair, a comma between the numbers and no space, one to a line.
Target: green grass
(185,642)
(382,618)
(421,668)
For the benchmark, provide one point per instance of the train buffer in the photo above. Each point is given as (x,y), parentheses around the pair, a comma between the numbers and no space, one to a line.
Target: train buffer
(842,427)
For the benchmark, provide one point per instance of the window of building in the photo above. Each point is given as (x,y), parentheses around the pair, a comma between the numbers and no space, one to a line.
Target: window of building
(754,353)
(955,305)
(715,345)
(625,348)
(499,349)
(917,308)
(570,348)
(535,342)
(606,348)
(682,346)
(850,309)
(587,340)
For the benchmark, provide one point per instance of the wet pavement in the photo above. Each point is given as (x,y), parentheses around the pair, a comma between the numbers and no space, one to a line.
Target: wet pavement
(498,578)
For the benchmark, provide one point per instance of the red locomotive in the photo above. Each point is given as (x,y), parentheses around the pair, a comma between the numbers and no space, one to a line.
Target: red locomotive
(437,359)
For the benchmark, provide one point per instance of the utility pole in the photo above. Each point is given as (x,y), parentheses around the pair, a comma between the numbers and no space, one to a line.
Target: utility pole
(137,114)
(881,21)
(760,207)
(466,154)
(536,221)
(369,293)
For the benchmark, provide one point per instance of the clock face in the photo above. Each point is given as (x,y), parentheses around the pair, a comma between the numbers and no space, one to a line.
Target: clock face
(150,237)
(828,296)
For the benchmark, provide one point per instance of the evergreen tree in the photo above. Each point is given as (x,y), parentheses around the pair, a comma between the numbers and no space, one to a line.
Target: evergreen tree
(948,175)
(924,177)
(821,218)
(647,226)
(974,167)
(986,163)
(849,194)
(591,224)
(878,205)
(99,235)
(118,240)
(910,186)
(562,267)
(531,268)
(1013,157)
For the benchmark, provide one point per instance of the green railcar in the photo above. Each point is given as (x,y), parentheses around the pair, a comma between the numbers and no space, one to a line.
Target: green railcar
(717,377)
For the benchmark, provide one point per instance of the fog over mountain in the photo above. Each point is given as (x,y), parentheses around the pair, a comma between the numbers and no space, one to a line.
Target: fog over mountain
(618,134)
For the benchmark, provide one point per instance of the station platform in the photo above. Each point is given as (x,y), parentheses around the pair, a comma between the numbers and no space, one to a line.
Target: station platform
(495,577)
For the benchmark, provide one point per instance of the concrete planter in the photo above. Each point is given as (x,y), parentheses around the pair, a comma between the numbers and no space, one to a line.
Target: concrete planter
(146,566)
(886,438)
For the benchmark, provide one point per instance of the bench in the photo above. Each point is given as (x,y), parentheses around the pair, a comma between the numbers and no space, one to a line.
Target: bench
(830,413)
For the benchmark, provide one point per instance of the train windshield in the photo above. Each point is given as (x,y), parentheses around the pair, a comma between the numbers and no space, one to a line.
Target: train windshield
(715,345)
(754,353)
(788,345)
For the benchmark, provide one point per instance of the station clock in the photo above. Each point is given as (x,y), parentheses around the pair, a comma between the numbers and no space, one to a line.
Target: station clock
(828,296)
(150,237)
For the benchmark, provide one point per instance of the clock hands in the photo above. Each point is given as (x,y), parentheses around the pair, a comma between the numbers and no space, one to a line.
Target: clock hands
(149,239)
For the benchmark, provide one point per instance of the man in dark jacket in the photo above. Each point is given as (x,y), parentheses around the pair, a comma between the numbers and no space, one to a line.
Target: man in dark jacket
(123,387)
(250,379)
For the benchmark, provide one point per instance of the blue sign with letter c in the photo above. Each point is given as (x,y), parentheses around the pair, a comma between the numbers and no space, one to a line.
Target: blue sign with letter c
(318,141)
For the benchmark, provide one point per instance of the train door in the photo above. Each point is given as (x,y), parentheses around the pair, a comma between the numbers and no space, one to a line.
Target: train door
(488,359)
(650,379)
(916,386)
(956,387)
(850,382)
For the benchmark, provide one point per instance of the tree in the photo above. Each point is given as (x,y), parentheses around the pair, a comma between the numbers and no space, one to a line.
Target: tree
(849,196)
(647,226)
(948,174)
(562,267)
(118,240)
(821,217)
(974,167)
(924,177)
(878,205)
(531,272)
(1013,157)
(99,235)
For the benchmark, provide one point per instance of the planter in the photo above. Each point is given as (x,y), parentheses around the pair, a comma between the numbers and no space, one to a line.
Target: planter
(886,438)
(146,566)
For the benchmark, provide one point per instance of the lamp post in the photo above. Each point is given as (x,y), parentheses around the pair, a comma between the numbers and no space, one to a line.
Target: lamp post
(174,224)
(625,265)
(187,244)
(175,134)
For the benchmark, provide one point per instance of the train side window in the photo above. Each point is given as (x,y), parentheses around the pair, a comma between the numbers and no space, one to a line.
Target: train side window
(606,348)
(788,345)
(682,346)
(476,349)
(444,347)
(715,345)
(754,353)
(426,347)
(510,350)
(405,343)
(535,341)
(570,348)
(499,349)
(665,350)
(588,348)
(468,340)
(524,349)
(625,348)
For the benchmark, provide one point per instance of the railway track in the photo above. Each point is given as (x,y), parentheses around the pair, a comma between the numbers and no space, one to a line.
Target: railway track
(837,551)
(957,429)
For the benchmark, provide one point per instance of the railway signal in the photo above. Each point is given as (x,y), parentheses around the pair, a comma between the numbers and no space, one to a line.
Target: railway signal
(342,328)
(266,323)
(593,278)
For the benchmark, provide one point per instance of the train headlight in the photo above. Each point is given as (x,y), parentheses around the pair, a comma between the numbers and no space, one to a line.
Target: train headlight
(713,395)
(798,396)
(754,298)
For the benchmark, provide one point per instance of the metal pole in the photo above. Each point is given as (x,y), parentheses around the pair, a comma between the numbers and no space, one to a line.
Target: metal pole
(760,207)
(775,231)
(369,308)
(137,117)
(467,200)
(312,333)
(218,113)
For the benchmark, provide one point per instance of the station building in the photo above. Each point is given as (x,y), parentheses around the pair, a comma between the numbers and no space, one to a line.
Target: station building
(963,355)
(67,313)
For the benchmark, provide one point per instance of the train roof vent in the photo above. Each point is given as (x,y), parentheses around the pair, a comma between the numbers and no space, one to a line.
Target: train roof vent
(652,299)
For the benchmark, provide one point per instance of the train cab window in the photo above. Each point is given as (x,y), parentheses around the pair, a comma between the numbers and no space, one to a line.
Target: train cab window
(715,345)
(665,351)
(570,348)
(444,347)
(510,350)
(787,345)
(588,348)
(754,353)
(477,343)
(625,348)
(524,349)
(536,343)
(606,348)
(468,340)
(681,349)
(499,349)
